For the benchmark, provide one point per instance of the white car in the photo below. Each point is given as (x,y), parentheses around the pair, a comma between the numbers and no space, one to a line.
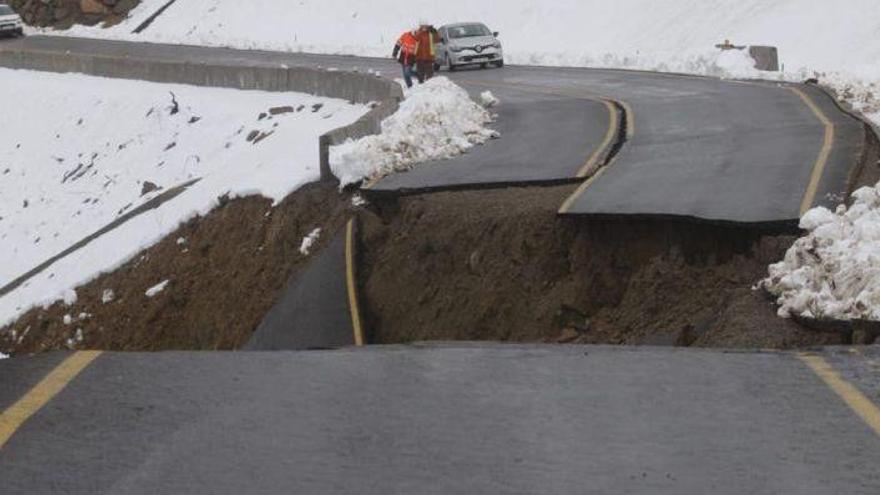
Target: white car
(468,43)
(10,22)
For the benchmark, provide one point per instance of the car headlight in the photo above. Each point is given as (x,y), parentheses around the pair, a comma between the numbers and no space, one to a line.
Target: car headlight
(457,49)
(497,44)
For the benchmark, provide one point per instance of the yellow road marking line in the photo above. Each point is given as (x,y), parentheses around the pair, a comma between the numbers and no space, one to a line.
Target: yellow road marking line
(856,400)
(352,284)
(630,132)
(590,166)
(13,418)
(824,154)
(583,187)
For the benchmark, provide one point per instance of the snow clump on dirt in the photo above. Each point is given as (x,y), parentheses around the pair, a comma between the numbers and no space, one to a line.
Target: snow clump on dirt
(437,120)
(834,271)
(309,241)
(156,289)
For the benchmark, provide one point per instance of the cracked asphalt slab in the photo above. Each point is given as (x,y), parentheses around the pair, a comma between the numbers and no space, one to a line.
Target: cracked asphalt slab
(313,311)
(445,418)
(523,122)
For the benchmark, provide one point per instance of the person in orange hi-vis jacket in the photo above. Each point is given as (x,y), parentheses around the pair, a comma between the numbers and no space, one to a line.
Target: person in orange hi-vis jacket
(405,52)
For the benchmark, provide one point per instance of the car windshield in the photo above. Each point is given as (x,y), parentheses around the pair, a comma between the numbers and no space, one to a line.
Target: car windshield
(468,31)
(6,10)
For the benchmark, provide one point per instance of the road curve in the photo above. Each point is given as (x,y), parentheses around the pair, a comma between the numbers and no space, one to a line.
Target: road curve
(695,147)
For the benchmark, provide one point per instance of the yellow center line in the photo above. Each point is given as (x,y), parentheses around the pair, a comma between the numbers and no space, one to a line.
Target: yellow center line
(593,162)
(583,187)
(630,132)
(824,154)
(855,399)
(351,282)
(16,415)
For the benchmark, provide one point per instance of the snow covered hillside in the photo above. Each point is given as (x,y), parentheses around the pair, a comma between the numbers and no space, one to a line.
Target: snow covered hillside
(674,35)
(77,152)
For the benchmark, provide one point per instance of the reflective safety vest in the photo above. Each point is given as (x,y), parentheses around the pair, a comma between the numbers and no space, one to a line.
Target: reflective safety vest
(409,45)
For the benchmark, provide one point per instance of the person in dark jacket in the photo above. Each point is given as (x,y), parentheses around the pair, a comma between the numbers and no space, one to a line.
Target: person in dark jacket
(405,52)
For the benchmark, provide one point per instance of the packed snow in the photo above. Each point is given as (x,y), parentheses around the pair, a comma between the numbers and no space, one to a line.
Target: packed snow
(83,149)
(488,100)
(436,120)
(4,356)
(157,289)
(309,241)
(834,271)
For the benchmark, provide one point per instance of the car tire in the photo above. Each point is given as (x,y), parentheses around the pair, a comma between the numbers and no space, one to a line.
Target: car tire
(449,64)
(499,64)
(484,65)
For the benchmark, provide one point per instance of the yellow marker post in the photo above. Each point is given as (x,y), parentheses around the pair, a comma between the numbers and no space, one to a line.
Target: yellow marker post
(13,418)
(856,400)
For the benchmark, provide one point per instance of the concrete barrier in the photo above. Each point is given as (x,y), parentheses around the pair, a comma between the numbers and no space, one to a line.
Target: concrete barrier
(383,95)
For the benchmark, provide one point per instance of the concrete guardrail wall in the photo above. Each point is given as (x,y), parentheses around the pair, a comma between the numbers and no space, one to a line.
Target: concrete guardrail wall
(382,94)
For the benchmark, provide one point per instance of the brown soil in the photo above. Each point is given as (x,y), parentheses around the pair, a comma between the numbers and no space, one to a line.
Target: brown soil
(501,265)
(227,275)
(63,14)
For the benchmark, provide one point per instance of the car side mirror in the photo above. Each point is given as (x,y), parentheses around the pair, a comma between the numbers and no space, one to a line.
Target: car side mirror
(495,34)
(442,41)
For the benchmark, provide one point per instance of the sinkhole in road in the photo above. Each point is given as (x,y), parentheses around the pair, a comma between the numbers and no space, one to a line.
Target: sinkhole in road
(501,265)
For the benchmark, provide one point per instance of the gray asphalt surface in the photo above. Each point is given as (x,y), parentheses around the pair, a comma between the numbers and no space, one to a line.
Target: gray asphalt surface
(524,120)
(703,148)
(313,311)
(445,419)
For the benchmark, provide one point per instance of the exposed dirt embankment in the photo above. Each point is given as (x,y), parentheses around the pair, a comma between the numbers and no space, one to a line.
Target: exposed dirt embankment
(224,270)
(65,13)
(501,265)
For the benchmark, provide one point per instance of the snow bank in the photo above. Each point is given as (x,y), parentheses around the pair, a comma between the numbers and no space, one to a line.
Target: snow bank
(436,120)
(676,35)
(834,271)
(82,149)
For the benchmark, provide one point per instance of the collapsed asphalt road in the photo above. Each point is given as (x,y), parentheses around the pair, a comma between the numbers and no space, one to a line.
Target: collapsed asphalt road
(449,419)
(515,419)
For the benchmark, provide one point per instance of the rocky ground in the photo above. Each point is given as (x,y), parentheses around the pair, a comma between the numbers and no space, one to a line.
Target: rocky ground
(65,13)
